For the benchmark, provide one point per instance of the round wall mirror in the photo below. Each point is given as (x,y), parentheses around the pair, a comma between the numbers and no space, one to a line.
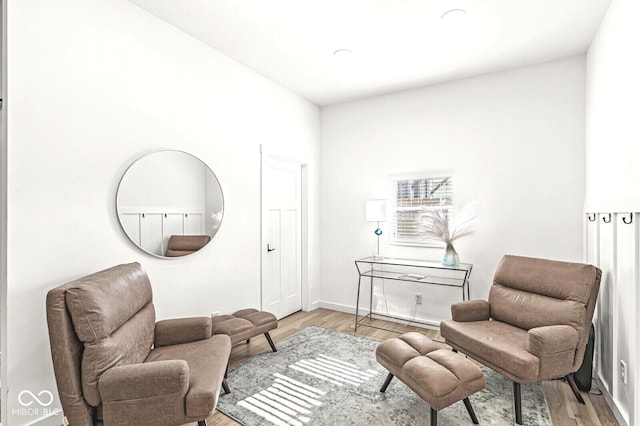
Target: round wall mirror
(169,203)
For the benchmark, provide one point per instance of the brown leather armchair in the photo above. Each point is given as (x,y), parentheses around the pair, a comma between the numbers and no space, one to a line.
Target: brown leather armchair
(113,362)
(535,324)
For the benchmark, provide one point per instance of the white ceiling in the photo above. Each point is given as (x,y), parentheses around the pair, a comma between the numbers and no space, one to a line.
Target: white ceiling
(395,44)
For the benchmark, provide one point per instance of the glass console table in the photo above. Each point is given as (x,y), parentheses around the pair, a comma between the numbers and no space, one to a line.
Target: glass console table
(408,270)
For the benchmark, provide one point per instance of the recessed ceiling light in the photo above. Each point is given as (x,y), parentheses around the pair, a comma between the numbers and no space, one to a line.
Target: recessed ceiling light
(342,53)
(454,14)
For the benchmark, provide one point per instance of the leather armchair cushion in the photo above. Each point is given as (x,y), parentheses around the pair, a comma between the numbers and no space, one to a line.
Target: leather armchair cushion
(207,360)
(146,380)
(470,310)
(555,345)
(560,280)
(66,354)
(552,339)
(148,394)
(111,310)
(181,330)
(530,310)
(494,343)
(130,344)
(100,303)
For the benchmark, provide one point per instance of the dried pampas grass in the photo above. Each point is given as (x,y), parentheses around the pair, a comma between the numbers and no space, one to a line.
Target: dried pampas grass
(438,225)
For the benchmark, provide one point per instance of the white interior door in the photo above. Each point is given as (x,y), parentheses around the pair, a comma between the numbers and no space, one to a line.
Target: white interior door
(281,237)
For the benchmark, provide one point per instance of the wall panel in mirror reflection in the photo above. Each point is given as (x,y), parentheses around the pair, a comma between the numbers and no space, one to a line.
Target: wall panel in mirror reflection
(169,194)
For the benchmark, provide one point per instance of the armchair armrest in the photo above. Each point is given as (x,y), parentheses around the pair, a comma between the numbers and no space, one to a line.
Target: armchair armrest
(552,339)
(136,381)
(470,310)
(181,330)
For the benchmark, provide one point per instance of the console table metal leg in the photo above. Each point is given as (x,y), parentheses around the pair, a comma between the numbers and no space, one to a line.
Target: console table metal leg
(357,302)
(371,301)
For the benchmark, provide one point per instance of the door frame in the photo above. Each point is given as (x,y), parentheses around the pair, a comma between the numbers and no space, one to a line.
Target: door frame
(266,155)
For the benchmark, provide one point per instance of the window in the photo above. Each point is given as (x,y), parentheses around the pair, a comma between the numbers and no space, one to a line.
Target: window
(410,199)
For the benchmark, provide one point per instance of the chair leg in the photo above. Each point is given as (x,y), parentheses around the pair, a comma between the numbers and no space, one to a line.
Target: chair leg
(202,423)
(517,399)
(225,386)
(574,388)
(273,347)
(434,417)
(386,382)
(472,413)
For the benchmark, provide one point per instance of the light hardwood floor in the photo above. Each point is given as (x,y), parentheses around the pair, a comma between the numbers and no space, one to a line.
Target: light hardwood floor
(564,408)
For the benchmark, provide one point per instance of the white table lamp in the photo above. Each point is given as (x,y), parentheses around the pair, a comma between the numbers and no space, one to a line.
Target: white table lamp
(376,211)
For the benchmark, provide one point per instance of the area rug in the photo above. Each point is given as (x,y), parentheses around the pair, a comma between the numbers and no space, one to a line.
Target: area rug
(325,377)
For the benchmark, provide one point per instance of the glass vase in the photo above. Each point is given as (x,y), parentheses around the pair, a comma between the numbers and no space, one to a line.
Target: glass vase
(450,257)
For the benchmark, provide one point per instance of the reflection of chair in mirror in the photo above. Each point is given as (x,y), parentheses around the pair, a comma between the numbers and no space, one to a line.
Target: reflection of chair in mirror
(535,325)
(181,245)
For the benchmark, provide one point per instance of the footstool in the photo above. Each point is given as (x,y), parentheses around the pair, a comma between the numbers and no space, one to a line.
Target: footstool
(245,324)
(438,376)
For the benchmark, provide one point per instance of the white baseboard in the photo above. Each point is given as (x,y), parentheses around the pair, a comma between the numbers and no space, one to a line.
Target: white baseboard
(611,403)
(49,420)
(315,305)
(336,307)
(432,325)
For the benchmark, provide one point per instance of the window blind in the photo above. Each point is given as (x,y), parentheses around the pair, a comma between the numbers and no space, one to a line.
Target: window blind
(411,198)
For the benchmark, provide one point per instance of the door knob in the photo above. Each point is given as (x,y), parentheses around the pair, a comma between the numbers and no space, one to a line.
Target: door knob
(269,248)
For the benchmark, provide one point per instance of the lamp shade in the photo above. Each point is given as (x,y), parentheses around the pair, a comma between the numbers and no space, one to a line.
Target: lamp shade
(376,211)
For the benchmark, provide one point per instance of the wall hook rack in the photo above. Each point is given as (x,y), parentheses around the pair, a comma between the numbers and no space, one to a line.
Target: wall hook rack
(604,218)
(624,219)
(592,218)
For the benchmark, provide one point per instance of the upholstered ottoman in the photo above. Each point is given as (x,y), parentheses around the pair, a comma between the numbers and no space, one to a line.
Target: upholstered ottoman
(439,376)
(245,324)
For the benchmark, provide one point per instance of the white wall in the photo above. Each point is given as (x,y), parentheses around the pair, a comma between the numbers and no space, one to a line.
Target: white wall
(613,101)
(93,86)
(515,141)
(612,176)
(3,198)
(163,181)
